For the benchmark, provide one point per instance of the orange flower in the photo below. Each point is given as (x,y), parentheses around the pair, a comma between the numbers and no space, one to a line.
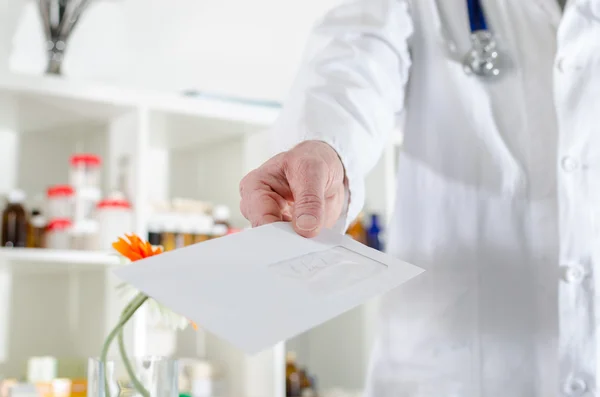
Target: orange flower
(134,248)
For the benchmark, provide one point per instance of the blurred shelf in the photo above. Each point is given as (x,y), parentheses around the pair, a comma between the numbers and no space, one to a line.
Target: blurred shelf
(57,102)
(39,260)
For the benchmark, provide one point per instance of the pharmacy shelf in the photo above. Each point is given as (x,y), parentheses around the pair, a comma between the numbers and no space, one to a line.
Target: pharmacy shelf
(34,260)
(172,145)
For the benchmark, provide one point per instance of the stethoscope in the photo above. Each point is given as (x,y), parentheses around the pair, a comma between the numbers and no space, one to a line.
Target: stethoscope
(483,59)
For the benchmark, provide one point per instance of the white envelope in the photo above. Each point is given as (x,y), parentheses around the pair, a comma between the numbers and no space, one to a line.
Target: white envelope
(264,285)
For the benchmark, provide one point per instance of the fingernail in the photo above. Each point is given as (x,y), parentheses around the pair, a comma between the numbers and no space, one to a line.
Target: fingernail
(307,222)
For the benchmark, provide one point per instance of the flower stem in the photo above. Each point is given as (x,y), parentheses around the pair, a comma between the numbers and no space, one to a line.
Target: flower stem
(128,312)
(136,383)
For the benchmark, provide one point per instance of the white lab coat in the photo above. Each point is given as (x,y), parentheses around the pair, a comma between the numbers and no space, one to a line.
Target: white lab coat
(498,187)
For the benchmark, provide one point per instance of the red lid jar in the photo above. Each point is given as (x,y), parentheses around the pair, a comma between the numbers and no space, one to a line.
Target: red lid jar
(60,191)
(115,217)
(59,225)
(85,170)
(57,234)
(60,201)
(85,159)
(113,203)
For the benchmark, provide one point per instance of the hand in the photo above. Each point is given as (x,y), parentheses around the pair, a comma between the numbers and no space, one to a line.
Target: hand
(304,185)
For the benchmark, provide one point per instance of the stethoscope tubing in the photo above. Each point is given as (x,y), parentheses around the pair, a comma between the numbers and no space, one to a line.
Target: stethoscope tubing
(477,19)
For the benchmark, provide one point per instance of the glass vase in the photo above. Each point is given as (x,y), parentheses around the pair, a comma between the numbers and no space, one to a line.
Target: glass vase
(157,375)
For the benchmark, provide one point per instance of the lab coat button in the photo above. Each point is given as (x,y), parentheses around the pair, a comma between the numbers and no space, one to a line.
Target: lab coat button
(575,387)
(564,66)
(559,64)
(569,164)
(574,274)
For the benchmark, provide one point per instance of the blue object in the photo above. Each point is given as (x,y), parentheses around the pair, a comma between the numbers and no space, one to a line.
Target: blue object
(374,233)
(476,16)
(313,382)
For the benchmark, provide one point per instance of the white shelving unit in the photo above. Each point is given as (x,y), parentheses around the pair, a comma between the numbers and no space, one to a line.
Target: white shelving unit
(32,260)
(63,303)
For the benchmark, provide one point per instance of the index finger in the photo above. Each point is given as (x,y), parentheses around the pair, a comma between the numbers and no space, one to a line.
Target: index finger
(261,204)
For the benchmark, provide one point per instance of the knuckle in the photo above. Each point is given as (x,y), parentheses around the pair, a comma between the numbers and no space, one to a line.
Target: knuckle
(259,201)
(308,170)
(264,199)
(247,181)
(309,200)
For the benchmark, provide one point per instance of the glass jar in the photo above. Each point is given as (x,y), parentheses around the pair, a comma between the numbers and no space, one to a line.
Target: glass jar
(170,231)
(187,230)
(84,235)
(115,219)
(181,229)
(84,203)
(219,230)
(85,170)
(200,378)
(60,201)
(221,215)
(203,225)
(158,375)
(58,234)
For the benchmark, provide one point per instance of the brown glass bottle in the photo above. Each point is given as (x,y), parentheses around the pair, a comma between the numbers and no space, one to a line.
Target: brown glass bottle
(293,386)
(14,221)
(304,381)
(169,237)
(357,230)
(36,235)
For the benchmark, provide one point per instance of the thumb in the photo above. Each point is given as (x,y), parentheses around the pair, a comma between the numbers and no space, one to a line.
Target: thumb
(309,200)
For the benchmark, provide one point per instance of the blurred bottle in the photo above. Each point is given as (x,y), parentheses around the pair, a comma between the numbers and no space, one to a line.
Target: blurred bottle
(14,221)
(374,233)
(203,225)
(37,230)
(218,230)
(221,215)
(180,230)
(155,231)
(313,384)
(169,237)
(306,386)
(187,230)
(293,386)
(357,230)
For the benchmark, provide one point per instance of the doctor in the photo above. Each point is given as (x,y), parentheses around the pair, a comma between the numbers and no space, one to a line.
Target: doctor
(498,184)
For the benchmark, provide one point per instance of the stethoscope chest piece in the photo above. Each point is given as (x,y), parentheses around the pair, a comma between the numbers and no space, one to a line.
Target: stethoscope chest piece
(483,59)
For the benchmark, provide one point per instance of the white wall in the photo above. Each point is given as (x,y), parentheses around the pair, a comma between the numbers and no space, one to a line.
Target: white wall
(246,48)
